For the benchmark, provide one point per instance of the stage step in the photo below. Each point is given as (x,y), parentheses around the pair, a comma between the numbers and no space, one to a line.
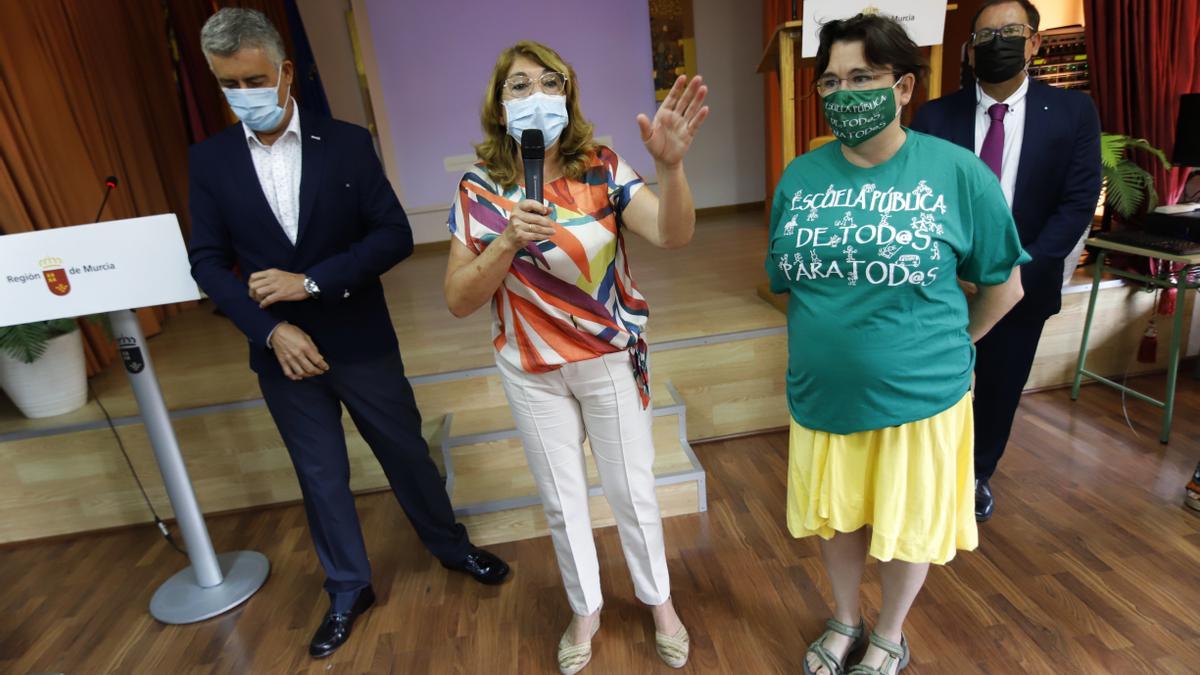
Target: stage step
(493,491)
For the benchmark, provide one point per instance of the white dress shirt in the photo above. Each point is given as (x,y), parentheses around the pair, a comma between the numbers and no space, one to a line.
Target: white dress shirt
(278,168)
(1014,133)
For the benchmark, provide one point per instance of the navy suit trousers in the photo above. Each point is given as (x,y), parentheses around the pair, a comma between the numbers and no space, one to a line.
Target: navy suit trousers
(380,400)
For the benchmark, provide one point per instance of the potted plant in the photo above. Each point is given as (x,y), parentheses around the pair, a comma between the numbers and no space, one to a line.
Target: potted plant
(1128,186)
(42,368)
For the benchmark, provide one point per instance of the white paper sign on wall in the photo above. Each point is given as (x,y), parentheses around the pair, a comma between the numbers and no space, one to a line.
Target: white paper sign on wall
(925,20)
(90,269)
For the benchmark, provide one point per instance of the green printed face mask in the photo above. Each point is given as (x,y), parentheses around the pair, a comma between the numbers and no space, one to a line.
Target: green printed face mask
(858,116)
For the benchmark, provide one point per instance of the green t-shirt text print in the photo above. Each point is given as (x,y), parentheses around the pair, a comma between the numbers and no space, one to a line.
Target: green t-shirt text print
(877,324)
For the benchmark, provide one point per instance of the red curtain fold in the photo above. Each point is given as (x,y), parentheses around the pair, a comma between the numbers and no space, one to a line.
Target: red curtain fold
(1145,54)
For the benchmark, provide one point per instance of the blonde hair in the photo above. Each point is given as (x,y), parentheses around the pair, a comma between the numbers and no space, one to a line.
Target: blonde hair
(499,151)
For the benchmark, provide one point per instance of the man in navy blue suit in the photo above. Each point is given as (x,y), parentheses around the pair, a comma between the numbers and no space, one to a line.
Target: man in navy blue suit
(1044,145)
(293,222)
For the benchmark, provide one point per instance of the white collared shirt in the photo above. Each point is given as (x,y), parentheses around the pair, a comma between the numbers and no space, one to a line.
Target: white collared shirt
(278,168)
(1014,133)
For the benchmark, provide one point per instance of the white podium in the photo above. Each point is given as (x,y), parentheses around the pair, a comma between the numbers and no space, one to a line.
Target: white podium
(110,268)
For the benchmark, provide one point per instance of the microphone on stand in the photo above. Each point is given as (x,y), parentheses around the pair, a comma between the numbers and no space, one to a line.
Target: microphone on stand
(110,184)
(533,153)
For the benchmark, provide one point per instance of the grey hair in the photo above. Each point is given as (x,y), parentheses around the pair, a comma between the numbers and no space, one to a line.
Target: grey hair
(233,29)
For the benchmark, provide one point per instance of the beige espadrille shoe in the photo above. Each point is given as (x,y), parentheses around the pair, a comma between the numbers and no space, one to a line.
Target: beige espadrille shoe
(673,649)
(573,658)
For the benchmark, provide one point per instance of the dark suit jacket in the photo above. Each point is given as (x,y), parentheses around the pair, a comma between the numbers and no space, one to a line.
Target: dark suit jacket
(1058,179)
(351,230)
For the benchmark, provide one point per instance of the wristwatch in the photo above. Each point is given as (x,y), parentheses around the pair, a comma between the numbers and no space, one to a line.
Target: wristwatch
(311,287)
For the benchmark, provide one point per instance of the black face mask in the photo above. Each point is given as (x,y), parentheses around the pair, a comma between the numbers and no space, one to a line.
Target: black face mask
(999,60)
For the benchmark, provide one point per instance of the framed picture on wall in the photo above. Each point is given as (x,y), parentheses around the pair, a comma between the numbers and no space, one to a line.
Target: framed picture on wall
(672,43)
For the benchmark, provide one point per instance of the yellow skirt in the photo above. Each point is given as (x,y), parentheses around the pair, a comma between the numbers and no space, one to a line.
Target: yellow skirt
(914,485)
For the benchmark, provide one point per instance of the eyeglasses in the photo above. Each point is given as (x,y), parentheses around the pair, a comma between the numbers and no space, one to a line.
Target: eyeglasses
(827,84)
(1012,30)
(521,86)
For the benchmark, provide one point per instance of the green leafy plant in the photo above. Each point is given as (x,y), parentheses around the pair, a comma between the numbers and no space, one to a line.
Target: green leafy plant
(1127,185)
(27,342)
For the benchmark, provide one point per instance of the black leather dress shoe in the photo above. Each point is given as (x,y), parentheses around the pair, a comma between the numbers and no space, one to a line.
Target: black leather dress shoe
(985,505)
(485,567)
(335,629)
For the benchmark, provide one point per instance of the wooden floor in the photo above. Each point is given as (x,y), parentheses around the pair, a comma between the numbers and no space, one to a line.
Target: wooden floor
(61,479)
(1091,565)
(704,289)
(67,475)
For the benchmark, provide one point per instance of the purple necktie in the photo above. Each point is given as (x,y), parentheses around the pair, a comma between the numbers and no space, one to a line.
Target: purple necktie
(992,153)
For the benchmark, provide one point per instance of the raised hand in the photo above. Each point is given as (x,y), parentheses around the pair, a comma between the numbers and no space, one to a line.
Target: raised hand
(669,135)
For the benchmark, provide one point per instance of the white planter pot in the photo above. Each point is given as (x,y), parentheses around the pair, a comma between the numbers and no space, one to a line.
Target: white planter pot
(55,384)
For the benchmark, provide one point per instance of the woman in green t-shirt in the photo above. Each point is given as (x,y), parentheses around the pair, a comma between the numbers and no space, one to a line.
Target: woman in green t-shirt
(869,236)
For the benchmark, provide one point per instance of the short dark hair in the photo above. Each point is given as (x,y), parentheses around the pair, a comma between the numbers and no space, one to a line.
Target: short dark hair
(885,43)
(1035,17)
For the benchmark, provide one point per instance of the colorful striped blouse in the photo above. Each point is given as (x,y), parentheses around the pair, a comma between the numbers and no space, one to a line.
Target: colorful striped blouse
(570,298)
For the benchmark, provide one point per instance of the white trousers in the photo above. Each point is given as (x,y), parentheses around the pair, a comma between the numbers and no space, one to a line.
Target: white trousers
(553,411)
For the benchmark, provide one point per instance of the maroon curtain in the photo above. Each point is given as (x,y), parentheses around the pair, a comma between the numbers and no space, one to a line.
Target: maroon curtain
(1144,55)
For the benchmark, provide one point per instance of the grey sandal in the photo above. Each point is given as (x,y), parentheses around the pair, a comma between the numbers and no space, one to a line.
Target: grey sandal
(827,659)
(896,653)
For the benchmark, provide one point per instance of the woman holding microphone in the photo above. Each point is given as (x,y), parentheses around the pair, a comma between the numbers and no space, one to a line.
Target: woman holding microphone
(568,320)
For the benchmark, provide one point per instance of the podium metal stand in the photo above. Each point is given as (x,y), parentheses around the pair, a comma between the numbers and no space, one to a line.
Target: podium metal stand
(107,268)
(212,584)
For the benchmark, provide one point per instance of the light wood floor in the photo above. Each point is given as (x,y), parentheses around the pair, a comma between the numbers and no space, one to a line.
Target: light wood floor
(704,289)
(78,481)
(1090,566)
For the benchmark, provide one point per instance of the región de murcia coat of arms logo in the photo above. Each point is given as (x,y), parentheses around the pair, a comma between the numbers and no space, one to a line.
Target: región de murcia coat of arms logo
(131,354)
(56,275)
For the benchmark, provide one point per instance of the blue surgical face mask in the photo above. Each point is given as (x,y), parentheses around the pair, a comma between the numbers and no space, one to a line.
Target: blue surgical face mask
(537,111)
(258,108)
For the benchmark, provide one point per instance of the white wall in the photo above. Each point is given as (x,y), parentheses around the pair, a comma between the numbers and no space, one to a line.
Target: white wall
(726,163)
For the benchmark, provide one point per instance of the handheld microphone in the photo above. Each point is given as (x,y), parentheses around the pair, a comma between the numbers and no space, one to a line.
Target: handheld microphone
(533,153)
(110,184)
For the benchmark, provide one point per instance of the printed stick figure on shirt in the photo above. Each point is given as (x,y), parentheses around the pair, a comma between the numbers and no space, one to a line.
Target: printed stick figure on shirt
(789,228)
(813,214)
(786,268)
(937,252)
(926,223)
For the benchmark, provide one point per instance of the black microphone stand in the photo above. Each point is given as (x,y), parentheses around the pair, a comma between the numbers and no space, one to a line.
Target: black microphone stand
(110,184)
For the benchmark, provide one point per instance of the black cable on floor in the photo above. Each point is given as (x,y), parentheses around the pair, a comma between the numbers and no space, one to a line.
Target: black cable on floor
(158,522)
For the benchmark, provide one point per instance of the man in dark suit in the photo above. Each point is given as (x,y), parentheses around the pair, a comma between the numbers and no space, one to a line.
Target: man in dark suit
(301,206)
(1044,145)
